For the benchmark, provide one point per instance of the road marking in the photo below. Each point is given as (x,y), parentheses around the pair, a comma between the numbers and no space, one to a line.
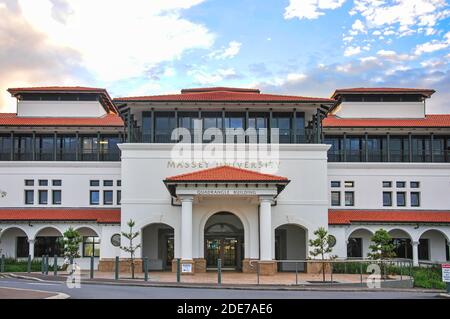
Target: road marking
(41,284)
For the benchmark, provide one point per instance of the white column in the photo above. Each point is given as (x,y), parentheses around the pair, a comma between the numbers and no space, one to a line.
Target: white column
(415,252)
(186,227)
(31,248)
(265,228)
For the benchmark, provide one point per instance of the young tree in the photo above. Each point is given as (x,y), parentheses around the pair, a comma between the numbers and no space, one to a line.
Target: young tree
(382,248)
(322,244)
(71,242)
(131,249)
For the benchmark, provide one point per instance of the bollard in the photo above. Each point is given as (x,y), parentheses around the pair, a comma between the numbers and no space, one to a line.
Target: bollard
(46,264)
(219,271)
(145,269)
(2,266)
(116,268)
(448,287)
(55,265)
(42,264)
(331,270)
(178,270)
(257,271)
(296,273)
(29,264)
(360,273)
(91,273)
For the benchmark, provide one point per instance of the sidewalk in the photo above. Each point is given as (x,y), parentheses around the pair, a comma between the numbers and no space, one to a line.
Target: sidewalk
(231,280)
(17,293)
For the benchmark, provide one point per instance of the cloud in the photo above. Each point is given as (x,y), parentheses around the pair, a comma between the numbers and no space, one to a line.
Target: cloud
(80,42)
(227,52)
(28,57)
(349,51)
(406,15)
(433,45)
(310,9)
(358,26)
(202,77)
(123,41)
(369,71)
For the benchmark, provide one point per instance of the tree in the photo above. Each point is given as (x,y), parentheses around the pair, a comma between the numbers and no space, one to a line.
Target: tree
(131,249)
(382,248)
(322,244)
(71,241)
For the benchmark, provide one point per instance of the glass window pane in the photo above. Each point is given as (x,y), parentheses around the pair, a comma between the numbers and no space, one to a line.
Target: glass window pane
(335,198)
(387,199)
(107,197)
(56,197)
(94,197)
(415,199)
(335,184)
(349,198)
(29,197)
(43,197)
(387,184)
(107,183)
(95,183)
(401,199)
(401,184)
(56,182)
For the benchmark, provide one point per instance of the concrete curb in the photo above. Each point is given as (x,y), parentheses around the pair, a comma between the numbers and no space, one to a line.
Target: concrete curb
(234,287)
(12,275)
(56,295)
(444,295)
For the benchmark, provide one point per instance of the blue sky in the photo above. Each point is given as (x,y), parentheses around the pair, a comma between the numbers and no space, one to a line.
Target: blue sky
(301,47)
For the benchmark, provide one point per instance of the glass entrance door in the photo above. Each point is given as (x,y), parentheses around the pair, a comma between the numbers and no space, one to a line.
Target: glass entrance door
(224,248)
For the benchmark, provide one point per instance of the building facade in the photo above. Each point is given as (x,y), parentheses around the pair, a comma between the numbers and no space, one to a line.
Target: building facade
(225,173)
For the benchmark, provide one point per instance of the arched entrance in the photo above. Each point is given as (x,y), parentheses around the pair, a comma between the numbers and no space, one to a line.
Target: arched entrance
(158,246)
(14,243)
(224,239)
(290,244)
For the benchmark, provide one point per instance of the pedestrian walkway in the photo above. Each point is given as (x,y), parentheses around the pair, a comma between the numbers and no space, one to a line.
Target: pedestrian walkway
(16,293)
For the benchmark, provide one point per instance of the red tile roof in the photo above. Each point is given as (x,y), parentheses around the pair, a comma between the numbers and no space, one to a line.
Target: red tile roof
(425,92)
(105,98)
(224,95)
(430,120)
(110,120)
(345,217)
(106,216)
(226,174)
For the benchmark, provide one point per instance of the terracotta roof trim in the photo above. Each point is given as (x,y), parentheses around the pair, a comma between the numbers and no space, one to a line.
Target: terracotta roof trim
(223,174)
(430,120)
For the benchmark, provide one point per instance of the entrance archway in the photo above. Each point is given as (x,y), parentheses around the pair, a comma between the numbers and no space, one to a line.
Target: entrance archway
(224,239)
(290,244)
(14,243)
(158,246)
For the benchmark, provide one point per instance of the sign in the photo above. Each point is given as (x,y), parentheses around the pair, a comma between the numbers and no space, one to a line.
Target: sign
(446,272)
(186,268)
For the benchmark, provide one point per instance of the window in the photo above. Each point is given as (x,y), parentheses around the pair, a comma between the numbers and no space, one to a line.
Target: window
(56,182)
(107,197)
(119,197)
(164,124)
(43,182)
(354,248)
(22,247)
(354,149)
(29,197)
(43,197)
(415,199)
(89,147)
(94,197)
(414,184)
(447,252)
(387,184)
(335,184)
(29,182)
(91,246)
(56,197)
(349,184)
(424,253)
(401,184)
(349,198)
(387,199)
(50,246)
(335,198)
(401,199)
(108,183)
(403,247)
(95,183)
(119,182)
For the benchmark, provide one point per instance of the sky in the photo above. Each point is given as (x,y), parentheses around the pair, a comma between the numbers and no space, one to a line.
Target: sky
(296,47)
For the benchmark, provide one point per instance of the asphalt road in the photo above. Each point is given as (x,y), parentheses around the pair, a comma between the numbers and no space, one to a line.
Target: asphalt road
(99,291)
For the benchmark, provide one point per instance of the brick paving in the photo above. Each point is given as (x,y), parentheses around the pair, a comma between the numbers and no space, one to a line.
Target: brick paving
(13,293)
